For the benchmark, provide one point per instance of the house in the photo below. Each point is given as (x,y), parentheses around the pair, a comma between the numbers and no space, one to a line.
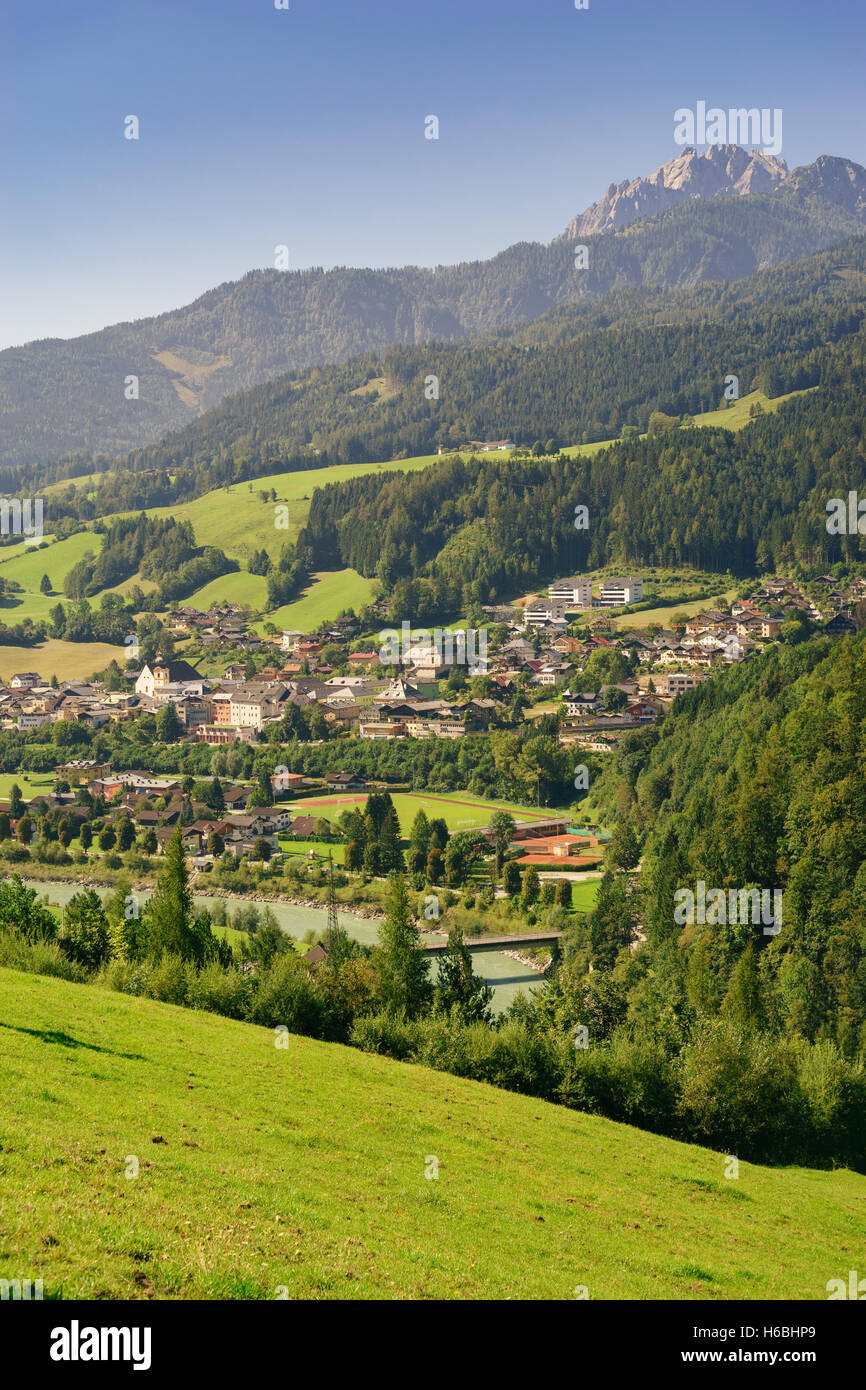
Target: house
(316,956)
(344,781)
(253,825)
(584,703)
(31,721)
(644,710)
(839,626)
(282,782)
(544,612)
(276,817)
(678,681)
(302,827)
(518,650)
(24,680)
(235,797)
(550,673)
(81,770)
(111,783)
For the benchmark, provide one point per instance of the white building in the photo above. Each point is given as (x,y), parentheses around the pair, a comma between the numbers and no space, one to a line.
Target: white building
(543,611)
(575,592)
(617,592)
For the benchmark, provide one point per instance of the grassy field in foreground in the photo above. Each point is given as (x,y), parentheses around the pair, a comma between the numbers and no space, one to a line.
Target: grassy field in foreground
(303,1169)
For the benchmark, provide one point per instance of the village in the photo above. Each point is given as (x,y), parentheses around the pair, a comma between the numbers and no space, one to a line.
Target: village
(535,654)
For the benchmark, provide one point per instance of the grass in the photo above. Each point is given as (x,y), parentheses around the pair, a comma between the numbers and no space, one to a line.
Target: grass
(663,615)
(66,660)
(329,593)
(296,848)
(734,417)
(27,568)
(583,895)
(300,1172)
(459,810)
(737,413)
(238,521)
(249,590)
(31,783)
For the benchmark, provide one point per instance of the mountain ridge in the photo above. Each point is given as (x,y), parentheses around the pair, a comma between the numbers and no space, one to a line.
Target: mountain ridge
(61,398)
(727,170)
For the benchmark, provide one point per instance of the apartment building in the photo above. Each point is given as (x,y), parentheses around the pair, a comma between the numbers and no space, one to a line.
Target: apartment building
(617,592)
(575,592)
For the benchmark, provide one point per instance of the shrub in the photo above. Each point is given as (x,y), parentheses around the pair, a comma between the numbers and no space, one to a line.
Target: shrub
(740,1092)
(285,996)
(220,991)
(834,1093)
(169,980)
(388,1034)
(38,958)
(127,977)
(628,1079)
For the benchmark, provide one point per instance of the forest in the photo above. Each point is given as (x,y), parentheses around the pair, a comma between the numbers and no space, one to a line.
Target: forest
(472,530)
(59,398)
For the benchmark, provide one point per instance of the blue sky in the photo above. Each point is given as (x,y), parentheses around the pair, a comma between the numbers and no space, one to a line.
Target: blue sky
(306,127)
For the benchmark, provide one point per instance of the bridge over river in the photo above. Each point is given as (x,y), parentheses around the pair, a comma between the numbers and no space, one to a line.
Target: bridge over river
(495,943)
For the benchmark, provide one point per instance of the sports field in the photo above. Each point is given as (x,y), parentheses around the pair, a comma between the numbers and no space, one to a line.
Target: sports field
(459,811)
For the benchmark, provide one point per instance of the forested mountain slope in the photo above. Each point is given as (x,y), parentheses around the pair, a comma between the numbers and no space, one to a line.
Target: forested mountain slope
(481,528)
(757,779)
(61,397)
(578,374)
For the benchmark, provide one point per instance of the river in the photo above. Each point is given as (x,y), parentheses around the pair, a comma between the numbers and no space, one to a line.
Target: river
(505,976)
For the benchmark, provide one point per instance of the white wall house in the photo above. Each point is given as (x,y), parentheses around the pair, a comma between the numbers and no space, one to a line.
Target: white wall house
(575,592)
(616,592)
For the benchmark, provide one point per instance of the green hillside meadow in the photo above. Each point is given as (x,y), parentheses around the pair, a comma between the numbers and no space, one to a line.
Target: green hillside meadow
(269,1172)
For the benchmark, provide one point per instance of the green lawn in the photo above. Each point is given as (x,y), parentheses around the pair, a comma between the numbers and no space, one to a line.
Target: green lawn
(583,895)
(329,593)
(299,1172)
(663,615)
(459,810)
(31,783)
(295,848)
(249,590)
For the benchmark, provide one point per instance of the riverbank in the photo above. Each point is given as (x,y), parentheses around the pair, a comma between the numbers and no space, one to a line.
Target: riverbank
(283,899)
(506,972)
